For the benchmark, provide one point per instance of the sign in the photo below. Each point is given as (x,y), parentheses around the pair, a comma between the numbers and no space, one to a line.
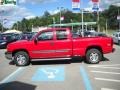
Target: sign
(0,2)
(95,7)
(8,2)
(49,74)
(76,4)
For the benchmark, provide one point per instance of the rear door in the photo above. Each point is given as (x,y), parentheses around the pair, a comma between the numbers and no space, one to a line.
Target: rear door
(63,44)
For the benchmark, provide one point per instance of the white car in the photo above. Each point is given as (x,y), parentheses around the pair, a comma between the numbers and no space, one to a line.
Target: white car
(116,38)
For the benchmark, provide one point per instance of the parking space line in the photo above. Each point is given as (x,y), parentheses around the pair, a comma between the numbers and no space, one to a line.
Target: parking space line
(104,79)
(105,72)
(12,75)
(107,89)
(105,67)
(85,79)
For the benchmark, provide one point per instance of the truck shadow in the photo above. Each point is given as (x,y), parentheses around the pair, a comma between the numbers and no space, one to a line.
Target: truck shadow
(15,85)
(56,62)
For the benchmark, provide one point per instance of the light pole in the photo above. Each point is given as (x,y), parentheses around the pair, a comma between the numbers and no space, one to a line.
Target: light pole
(53,21)
(72,24)
(118,17)
(60,9)
(2,11)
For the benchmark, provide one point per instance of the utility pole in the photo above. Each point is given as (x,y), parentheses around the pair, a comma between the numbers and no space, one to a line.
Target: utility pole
(60,9)
(82,16)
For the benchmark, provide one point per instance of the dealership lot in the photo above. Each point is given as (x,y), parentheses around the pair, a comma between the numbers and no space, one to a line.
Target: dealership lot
(62,75)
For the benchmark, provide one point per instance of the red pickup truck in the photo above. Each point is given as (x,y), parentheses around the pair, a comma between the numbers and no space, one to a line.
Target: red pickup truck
(59,43)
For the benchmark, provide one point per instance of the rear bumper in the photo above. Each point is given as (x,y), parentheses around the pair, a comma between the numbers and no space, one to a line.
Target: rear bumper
(8,55)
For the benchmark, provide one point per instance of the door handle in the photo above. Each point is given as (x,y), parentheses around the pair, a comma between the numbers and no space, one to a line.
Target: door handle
(52,44)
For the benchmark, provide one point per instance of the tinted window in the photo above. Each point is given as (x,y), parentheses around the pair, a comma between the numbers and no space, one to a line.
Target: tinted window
(116,35)
(45,36)
(61,34)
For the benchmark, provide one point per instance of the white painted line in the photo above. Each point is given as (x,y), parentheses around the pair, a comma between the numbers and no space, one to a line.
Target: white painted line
(107,67)
(11,75)
(105,72)
(107,89)
(104,65)
(104,79)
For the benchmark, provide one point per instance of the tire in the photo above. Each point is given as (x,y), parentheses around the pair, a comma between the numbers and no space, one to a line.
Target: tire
(93,56)
(119,42)
(21,58)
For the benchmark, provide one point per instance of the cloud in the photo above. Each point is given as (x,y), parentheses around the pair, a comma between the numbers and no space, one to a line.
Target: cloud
(54,12)
(29,17)
(14,14)
(36,1)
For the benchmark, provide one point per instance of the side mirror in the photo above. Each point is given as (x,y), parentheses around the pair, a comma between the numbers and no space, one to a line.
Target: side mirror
(36,40)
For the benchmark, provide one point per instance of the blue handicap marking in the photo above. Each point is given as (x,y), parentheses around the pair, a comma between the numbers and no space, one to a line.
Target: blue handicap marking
(49,74)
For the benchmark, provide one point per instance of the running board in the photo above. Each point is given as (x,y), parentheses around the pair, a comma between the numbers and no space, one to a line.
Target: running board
(50,59)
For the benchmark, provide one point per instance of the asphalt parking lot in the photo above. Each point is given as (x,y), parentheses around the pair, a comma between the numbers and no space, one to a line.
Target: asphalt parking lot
(62,75)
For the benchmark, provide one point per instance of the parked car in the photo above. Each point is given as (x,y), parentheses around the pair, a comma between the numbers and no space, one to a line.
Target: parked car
(6,38)
(26,35)
(3,42)
(94,34)
(58,43)
(116,38)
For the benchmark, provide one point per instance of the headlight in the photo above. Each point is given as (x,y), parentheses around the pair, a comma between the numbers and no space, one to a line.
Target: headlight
(3,43)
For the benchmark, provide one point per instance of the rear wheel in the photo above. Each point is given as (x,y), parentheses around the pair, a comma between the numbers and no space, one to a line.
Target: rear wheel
(93,56)
(21,58)
(119,42)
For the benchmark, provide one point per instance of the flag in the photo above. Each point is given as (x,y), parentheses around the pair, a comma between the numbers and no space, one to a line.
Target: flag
(76,4)
(95,1)
(62,18)
(95,5)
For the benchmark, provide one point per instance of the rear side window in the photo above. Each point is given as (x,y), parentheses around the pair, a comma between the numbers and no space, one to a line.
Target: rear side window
(61,35)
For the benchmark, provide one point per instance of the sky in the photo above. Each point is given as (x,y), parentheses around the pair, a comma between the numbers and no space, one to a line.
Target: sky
(31,8)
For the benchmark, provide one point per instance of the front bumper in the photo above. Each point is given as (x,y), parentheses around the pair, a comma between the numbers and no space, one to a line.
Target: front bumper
(8,55)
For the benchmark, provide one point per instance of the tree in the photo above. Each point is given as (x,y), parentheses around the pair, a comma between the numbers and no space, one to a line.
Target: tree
(46,14)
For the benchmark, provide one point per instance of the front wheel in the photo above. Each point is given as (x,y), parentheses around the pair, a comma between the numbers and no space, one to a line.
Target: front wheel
(93,56)
(21,58)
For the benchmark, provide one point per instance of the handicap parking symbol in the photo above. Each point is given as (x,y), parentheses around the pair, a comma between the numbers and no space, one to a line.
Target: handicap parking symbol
(49,74)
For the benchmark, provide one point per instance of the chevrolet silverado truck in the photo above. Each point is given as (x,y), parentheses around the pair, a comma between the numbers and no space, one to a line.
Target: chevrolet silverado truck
(59,44)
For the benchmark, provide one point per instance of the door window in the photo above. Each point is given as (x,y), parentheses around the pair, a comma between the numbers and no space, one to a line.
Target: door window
(45,36)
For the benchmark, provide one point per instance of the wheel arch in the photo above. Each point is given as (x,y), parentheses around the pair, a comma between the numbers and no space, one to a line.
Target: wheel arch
(24,50)
(94,47)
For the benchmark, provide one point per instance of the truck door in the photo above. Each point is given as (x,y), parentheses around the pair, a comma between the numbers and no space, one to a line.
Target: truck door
(63,44)
(44,48)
